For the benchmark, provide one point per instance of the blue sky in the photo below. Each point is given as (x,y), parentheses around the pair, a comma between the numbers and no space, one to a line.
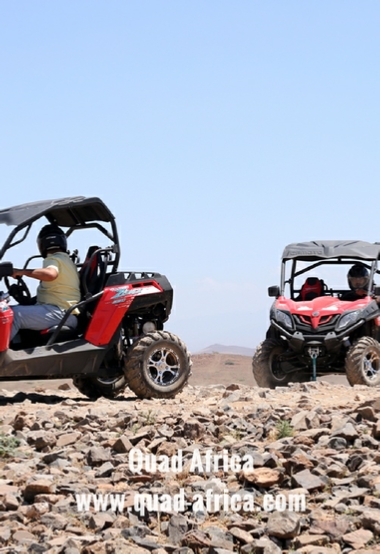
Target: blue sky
(217,132)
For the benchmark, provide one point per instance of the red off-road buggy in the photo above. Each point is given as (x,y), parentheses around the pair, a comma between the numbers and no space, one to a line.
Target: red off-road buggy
(312,330)
(120,339)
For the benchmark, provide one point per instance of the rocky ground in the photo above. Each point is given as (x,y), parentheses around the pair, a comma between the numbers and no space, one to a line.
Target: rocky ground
(315,442)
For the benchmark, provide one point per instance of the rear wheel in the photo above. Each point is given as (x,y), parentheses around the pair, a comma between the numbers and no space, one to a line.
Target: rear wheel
(95,387)
(363,362)
(157,366)
(266,366)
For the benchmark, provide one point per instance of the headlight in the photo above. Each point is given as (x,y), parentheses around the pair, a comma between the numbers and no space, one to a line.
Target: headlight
(284,319)
(347,319)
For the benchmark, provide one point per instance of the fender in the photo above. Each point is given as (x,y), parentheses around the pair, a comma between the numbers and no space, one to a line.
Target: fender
(6,320)
(112,307)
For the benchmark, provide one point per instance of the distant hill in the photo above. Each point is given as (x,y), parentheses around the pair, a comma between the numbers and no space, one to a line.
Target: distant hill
(222,349)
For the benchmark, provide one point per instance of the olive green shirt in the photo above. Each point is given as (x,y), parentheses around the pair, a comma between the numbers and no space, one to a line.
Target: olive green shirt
(63,291)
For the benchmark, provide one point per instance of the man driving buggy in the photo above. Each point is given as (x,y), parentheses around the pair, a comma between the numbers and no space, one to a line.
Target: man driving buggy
(358,281)
(58,290)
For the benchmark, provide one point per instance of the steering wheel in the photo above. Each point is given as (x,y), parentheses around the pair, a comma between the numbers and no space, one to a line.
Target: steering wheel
(19,291)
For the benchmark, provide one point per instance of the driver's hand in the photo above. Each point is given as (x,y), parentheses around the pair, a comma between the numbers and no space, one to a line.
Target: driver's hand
(17,272)
(361,292)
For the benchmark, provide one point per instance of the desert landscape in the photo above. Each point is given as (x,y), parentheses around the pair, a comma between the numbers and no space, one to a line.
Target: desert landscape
(209,368)
(224,368)
(225,466)
(304,458)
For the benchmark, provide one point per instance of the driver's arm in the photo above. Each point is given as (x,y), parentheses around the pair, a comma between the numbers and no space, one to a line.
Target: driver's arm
(42,274)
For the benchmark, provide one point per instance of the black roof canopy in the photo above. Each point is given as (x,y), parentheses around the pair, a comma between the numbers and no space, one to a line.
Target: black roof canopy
(65,212)
(76,212)
(326,249)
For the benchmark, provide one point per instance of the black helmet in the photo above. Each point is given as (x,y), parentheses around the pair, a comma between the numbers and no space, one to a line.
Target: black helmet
(358,277)
(51,237)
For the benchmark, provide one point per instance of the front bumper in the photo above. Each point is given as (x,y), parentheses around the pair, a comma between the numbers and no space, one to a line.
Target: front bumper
(330,341)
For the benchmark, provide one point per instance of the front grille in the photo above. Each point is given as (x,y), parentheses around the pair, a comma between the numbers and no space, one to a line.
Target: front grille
(326,323)
(307,319)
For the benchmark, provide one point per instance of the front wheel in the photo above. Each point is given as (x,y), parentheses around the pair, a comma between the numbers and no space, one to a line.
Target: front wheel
(363,362)
(157,365)
(266,366)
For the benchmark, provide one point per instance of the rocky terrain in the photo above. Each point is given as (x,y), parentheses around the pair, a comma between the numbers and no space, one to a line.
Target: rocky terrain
(303,460)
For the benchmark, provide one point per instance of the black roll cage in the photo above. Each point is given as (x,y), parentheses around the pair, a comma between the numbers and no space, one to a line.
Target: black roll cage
(66,205)
(373,269)
(73,214)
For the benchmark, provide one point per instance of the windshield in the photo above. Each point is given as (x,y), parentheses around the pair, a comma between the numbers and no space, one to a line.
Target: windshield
(332,275)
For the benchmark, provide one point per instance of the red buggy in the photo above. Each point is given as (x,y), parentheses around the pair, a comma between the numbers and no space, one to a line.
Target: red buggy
(313,331)
(120,340)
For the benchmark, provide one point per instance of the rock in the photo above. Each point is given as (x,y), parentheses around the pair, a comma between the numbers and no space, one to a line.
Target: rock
(21,420)
(370,520)
(308,540)
(38,486)
(241,535)
(36,510)
(11,502)
(8,489)
(220,539)
(262,476)
(298,421)
(192,429)
(358,539)
(100,521)
(332,461)
(23,537)
(196,539)
(261,546)
(297,463)
(307,480)
(122,445)
(374,403)
(54,521)
(348,432)
(42,439)
(67,438)
(65,387)
(376,430)
(337,443)
(5,534)
(97,456)
(367,412)
(333,528)
(177,528)
(105,470)
(284,525)
(168,449)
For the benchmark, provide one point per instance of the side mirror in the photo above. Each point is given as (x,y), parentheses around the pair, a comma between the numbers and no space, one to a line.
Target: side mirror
(6,269)
(274,291)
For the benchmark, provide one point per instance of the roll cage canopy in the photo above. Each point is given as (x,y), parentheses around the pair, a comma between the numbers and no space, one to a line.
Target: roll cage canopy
(78,212)
(323,250)
(329,252)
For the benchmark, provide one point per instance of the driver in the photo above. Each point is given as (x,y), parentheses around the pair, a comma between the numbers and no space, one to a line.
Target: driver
(58,289)
(358,280)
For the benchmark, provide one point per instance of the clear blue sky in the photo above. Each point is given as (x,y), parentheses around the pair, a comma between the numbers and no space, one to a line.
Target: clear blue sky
(216,131)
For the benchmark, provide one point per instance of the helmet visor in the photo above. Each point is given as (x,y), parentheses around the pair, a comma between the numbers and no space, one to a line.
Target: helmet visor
(358,282)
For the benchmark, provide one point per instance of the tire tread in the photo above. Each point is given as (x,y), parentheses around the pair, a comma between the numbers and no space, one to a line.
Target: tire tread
(354,361)
(134,361)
